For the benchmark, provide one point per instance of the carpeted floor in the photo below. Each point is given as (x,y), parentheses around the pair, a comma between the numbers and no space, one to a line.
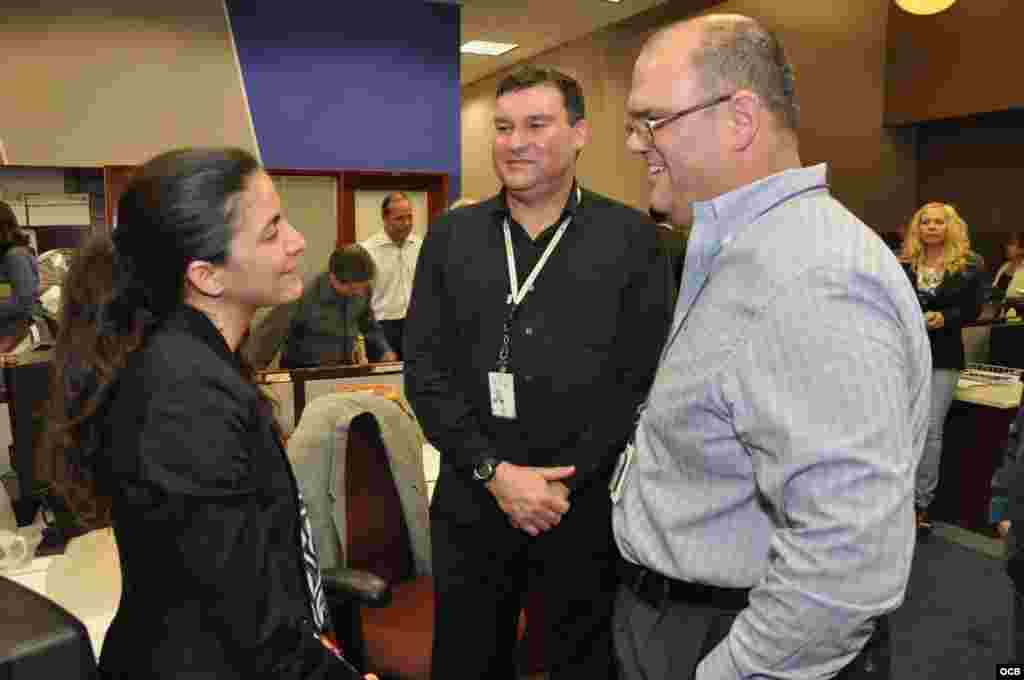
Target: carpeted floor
(955,621)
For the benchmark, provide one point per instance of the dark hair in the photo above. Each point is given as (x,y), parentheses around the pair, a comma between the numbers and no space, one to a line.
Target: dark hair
(10,233)
(179,207)
(86,363)
(741,54)
(352,264)
(393,196)
(526,77)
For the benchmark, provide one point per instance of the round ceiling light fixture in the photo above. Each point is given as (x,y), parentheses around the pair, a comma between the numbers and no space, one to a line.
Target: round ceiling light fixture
(925,6)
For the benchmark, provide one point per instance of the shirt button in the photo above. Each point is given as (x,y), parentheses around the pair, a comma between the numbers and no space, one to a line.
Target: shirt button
(528,330)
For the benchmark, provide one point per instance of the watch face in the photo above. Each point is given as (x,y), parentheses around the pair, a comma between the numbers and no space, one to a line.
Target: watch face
(484,471)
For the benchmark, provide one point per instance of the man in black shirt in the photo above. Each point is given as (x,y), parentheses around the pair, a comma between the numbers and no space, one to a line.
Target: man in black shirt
(532,335)
(673,242)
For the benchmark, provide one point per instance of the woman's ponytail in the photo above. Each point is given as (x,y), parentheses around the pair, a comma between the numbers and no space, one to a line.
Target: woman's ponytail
(104,318)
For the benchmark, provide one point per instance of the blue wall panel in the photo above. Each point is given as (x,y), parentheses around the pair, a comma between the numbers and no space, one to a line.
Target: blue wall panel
(360,85)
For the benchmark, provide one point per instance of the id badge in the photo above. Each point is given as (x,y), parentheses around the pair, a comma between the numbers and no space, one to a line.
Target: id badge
(621,470)
(503,394)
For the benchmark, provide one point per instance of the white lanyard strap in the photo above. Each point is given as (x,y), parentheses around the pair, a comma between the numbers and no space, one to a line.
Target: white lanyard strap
(517,294)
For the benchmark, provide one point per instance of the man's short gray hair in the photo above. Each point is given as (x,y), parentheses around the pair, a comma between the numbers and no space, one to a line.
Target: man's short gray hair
(741,55)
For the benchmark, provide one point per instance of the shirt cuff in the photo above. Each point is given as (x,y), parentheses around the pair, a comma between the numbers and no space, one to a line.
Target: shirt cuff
(718,665)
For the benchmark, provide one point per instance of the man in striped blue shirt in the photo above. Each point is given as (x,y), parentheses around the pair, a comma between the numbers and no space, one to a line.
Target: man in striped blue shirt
(764,512)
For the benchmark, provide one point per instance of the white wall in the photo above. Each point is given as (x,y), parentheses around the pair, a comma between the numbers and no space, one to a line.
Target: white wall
(89,84)
(310,203)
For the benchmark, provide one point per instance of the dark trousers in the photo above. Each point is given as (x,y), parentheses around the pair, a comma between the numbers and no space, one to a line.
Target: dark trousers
(482,575)
(669,642)
(394,330)
(1017,625)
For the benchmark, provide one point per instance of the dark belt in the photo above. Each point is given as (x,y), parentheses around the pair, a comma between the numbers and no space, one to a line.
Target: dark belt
(655,589)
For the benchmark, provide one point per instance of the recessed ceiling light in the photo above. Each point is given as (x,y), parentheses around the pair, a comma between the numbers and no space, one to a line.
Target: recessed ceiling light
(925,6)
(614,2)
(490,49)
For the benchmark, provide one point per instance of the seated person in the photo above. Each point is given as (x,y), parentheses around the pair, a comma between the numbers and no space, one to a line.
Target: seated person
(24,324)
(1014,262)
(323,326)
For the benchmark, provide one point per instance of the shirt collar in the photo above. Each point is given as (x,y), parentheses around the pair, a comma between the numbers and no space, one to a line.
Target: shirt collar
(195,322)
(717,221)
(571,209)
(382,239)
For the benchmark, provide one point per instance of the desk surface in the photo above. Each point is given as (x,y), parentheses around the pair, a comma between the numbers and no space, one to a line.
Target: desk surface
(41,356)
(1006,395)
(85,580)
(284,375)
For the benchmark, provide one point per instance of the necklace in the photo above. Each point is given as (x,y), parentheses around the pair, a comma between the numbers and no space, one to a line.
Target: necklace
(929,277)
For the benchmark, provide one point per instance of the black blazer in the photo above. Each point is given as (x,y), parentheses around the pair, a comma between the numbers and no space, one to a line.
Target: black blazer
(959,297)
(206,516)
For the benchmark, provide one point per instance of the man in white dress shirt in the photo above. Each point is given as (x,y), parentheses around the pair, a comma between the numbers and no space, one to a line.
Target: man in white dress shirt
(394,251)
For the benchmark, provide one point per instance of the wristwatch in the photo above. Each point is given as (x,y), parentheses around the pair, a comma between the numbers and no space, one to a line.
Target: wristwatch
(483,471)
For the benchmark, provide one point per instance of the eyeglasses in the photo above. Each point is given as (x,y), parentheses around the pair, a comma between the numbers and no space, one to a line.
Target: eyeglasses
(645,127)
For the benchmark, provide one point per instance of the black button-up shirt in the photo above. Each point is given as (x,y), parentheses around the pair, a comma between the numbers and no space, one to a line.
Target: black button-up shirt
(584,342)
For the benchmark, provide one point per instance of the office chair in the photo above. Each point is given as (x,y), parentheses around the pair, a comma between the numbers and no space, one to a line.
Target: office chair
(359,521)
(53,267)
(39,639)
(376,494)
(396,639)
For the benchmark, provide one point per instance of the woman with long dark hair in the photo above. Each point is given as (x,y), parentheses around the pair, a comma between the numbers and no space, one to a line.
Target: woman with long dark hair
(157,427)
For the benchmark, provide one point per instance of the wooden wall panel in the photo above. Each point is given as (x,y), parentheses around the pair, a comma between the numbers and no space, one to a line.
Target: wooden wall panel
(955,63)
(975,164)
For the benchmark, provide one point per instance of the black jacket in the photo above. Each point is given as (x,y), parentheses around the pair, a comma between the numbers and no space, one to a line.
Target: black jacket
(959,297)
(585,343)
(206,516)
(673,244)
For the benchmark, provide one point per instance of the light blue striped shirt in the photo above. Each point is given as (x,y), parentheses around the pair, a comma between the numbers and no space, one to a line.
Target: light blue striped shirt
(779,442)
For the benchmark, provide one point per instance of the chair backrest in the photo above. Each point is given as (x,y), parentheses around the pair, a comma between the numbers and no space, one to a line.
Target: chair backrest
(39,639)
(378,538)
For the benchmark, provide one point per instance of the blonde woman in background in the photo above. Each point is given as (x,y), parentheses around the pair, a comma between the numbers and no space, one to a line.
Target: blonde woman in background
(946,275)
